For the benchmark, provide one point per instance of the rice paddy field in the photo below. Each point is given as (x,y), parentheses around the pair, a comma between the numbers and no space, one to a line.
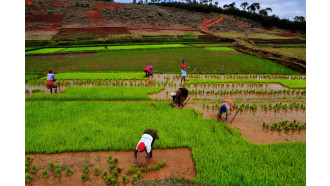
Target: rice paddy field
(104,103)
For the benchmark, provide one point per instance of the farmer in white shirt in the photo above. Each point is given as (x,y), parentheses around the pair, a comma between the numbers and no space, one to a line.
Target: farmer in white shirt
(147,140)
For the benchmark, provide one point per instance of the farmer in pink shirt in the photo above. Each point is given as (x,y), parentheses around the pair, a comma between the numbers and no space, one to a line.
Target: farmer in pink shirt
(149,71)
(183,71)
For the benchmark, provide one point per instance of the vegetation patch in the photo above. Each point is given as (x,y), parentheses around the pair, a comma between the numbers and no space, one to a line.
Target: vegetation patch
(99,93)
(230,160)
(44,51)
(284,82)
(99,76)
(219,49)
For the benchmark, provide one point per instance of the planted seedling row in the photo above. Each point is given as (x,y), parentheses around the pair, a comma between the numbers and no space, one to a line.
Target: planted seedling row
(285,125)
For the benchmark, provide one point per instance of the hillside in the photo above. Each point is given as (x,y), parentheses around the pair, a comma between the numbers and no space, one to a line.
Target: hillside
(73,19)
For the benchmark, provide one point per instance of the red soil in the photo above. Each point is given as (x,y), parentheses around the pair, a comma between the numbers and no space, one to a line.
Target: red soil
(56,4)
(94,15)
(42,11)
(122,20)
(111,6)
(209,22)
(28,2)
(179,163)
(96,31)
(44,18)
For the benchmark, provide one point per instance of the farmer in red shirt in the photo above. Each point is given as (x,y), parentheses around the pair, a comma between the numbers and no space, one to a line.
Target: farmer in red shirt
(149,71)
(183,71)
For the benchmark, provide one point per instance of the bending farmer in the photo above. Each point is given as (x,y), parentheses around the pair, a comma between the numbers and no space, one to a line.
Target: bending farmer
(50,81)
(226,106)
(147,140)
(183,71)
(179,96)
(149,71)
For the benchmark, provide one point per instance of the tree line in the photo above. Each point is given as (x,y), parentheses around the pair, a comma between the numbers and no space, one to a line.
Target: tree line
(250,11)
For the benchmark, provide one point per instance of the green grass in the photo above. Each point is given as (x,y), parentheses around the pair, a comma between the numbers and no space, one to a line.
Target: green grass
(284,82)
(44,51)
(219,49)
(83,49)
(28,76)
(100,76)
(163,60)
(156,37)
(99,93)
(220,157)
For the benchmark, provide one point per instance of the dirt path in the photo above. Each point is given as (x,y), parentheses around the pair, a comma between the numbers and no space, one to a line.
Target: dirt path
(179,163)
(209,22)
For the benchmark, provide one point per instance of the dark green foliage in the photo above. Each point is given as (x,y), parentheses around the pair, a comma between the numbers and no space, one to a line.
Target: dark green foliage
(27,177)
(58,172)
(68,171)
(34,169)
(105,174)
(84,177)
(96,171)
(44,173)
(51,166)
(139,174)
(86,168)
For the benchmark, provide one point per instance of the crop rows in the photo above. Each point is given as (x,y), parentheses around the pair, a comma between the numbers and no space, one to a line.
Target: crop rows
(285,125)
(230,160)
(99,93)
(246,91)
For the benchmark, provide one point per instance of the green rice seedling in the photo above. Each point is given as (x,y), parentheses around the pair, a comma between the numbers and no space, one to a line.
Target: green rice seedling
(164,162)
(51,166)
(110,162)
(109,181)
(58,172)
(27,163)
(34,169)
(129,170)
(112,166)
(158,166)
(26,169)
(28,159)
(110,159)
(280,128)
(267,126)
(105,174)
(114,181)
(27,177)
(149,168)
(68,171)
(121,168)
(96,171)
(86,168)
(27,91)
(125,180)
(84,177)
(116,160)
(115,173)
(44,173)
(57,165)
(135,177)
(139,174)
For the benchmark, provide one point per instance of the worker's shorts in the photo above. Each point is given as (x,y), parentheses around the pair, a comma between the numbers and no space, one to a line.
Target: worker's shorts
(225,108)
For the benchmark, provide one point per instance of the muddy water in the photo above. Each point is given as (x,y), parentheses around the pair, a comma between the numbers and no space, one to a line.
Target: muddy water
(249,123)
(179,163)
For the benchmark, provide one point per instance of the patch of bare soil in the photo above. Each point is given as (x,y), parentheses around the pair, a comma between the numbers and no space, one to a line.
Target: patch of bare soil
(250,124)
(179,163)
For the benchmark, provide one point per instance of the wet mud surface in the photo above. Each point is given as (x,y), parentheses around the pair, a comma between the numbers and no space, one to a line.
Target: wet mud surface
(249,123)
(179,163)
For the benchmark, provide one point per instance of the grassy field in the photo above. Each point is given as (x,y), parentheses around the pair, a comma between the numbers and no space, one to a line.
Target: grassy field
(100,76)
(163,61)
(299,53)
(99,93)
(234,35)
(220,157)
(44,51)
(284,82)
(219,49)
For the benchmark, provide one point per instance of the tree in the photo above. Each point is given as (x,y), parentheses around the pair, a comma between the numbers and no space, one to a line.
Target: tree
(216,3)
(299,19)
(225,6)
(134,1)
(253,7)
(232,5)
(263,12)
(244,5)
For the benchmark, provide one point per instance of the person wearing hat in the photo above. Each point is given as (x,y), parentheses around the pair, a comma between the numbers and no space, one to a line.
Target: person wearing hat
(226,106)
(183,71)
(149,71)
(147,140)
(51,81)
